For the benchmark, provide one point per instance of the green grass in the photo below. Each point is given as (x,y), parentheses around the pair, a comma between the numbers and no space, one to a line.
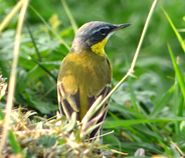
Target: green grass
(146,111)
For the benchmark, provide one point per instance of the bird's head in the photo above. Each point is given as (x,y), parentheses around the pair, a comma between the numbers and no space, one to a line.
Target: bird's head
(94,35)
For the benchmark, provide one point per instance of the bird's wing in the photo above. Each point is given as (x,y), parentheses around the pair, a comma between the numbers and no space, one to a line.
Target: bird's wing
(68,103)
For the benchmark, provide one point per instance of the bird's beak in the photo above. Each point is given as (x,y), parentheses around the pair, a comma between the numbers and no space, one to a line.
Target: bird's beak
(118,27)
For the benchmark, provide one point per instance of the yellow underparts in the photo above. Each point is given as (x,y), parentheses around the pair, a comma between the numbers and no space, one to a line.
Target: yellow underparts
(98,48)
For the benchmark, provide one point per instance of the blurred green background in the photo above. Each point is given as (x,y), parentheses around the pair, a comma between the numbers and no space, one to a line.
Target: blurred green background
(36,89)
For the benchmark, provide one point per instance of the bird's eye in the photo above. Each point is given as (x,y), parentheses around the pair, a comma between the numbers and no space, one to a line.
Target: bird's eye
(103,31)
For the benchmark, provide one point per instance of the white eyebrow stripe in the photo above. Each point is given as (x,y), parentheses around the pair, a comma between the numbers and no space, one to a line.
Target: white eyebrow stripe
(105,27)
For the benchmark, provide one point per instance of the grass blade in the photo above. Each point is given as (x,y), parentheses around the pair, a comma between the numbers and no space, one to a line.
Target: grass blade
(161,104)
(54,32)
(45,69)
(33,41)
(123,123)
(14,143)
(181,106)
(174,29)
(177,71)
(1,115)
(73,23)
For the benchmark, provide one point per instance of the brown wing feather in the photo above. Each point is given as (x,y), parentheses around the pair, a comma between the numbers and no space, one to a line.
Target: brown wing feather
(66,102)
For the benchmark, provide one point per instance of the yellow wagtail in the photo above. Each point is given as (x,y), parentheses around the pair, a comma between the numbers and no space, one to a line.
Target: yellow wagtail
(85,73)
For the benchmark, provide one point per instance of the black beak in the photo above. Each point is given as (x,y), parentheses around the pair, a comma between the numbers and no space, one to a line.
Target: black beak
(118,27)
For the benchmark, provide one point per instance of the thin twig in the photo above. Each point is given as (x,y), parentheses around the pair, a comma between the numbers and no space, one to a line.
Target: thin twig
(135,56)
(177,147)
(12,81)
(10,15)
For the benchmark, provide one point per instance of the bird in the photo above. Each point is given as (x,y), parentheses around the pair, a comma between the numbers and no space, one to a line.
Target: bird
(85,72)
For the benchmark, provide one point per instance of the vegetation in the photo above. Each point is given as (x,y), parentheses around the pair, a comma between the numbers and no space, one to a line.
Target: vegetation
(146,113)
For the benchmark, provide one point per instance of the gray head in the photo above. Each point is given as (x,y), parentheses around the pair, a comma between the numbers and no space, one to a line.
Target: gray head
(94,32)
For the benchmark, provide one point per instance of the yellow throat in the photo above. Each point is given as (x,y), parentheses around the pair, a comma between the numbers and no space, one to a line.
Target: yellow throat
(98,48)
